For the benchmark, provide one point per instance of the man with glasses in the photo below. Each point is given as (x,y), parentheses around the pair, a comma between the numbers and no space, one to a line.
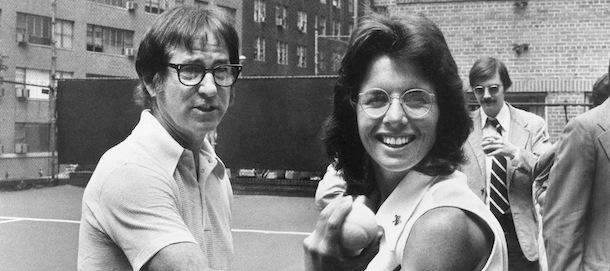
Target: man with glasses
(502,151)
(161,199)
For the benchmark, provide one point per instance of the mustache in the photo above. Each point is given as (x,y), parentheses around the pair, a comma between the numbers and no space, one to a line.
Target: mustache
(488,100)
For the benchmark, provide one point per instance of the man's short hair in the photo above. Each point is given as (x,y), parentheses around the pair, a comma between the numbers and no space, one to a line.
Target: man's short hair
(485,68)
(179,27)
(601,90)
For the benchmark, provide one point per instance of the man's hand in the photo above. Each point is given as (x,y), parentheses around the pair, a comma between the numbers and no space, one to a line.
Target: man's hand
(496,145)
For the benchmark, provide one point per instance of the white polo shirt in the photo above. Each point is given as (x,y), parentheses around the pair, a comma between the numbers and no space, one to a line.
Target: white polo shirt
(144,196)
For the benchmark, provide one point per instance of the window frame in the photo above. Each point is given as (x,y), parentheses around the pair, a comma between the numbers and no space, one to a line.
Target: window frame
(302,56)
(282,52)
(259,49)
(302,21)
(35,134)
(260,11)
(36,28)
(108,40)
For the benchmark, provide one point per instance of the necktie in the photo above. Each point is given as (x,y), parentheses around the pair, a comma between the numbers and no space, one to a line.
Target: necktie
(499,191)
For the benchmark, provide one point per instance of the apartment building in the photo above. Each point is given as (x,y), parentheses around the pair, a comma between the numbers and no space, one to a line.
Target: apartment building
(45,41)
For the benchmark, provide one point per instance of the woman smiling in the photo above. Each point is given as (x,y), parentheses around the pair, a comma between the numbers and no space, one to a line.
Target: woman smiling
(396,130)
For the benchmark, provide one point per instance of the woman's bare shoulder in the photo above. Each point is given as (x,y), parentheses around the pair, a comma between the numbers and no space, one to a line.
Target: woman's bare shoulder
(448,238)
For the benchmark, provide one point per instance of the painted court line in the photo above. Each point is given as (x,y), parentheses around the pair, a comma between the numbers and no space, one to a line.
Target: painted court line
(15,219)
(9,219)
(273,232)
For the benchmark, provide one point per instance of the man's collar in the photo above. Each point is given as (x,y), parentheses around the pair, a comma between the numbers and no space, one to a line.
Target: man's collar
(503,117)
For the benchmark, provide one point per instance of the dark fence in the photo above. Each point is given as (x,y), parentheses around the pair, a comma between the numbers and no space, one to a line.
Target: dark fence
(274,123)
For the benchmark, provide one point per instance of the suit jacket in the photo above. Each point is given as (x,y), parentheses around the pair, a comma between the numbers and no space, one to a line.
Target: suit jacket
(528,132)
(576,214)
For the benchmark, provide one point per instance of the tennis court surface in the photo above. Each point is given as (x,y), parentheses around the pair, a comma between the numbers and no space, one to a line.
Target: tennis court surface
(39,230)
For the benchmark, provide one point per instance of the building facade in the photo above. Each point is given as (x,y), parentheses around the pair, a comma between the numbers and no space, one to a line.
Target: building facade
(555,50)
(44,41)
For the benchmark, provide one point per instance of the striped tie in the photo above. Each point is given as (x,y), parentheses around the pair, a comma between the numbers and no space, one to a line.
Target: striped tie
(499,192)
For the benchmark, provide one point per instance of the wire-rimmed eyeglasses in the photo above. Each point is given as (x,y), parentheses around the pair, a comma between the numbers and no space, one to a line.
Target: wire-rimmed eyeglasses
(493,89)
(416,103)
(190,75)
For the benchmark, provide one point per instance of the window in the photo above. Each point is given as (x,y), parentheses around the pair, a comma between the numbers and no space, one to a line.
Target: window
(282,53)
(63,34)
(336,62)
(108,40)
(337,3)
(281,16)
(260,13)
(350,6)
(321,61)
(302,56)
(38,77)
(336,28)
(35,29)
(36,135)
(118,3)
(259,49)
(155,6)
(350,28)
(302,21)
(322,26)
(322,1)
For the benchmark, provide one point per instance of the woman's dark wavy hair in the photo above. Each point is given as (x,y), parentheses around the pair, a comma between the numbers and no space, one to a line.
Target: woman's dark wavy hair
(179,27)
(417,40)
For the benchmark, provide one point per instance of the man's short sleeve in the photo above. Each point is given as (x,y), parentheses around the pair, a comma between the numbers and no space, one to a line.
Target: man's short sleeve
(138,209)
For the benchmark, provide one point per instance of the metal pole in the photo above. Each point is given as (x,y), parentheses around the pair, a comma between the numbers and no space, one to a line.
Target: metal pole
(355,14)
(317,54)
(52,89)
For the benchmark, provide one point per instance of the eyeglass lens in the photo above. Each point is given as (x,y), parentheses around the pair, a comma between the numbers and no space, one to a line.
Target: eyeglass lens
(493,89)
(224,75)
(416,102)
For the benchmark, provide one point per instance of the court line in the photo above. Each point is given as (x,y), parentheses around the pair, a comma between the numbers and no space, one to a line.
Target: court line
(9,221)
(272,232)
(17,219)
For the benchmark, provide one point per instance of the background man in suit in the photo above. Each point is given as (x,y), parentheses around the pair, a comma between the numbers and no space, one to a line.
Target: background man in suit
(502,151)
(576,217)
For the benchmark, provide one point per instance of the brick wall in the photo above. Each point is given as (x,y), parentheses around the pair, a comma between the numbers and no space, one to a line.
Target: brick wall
(568,43)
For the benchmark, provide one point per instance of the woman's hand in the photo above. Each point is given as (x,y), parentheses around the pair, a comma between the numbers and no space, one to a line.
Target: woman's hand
(323,249)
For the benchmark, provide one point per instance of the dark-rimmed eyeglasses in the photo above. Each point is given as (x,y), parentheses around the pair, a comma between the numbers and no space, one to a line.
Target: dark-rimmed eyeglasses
(493,89)
(416,103)
(190,75)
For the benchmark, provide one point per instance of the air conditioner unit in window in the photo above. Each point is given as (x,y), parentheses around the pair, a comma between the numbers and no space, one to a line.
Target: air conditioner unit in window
(22,38)
(279,21)
(21,92)
(21,148)
(130,5)
(128,51)
(335,3)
